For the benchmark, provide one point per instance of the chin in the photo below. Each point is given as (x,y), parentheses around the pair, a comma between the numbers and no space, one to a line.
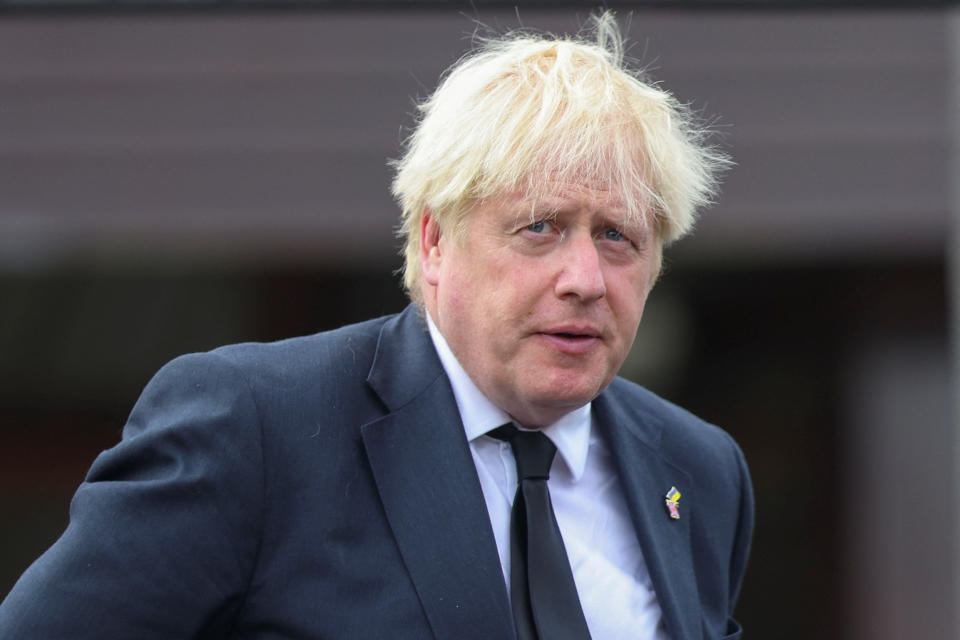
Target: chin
(567,387)
(561,400)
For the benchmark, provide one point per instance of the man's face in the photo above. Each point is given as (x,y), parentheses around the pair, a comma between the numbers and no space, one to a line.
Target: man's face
(542,315)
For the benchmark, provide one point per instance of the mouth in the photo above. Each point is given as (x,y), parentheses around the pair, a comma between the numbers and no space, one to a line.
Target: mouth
(572,340)
(573,331)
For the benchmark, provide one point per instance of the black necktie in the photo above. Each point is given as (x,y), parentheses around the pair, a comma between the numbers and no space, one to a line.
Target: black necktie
(542,591)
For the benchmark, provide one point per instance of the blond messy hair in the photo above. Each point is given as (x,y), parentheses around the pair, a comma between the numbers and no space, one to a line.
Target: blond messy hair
(525,110)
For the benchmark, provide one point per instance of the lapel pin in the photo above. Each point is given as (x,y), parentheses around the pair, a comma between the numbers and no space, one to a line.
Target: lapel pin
(673,503)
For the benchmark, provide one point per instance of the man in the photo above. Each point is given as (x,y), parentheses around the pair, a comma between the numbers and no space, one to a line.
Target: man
(347,485)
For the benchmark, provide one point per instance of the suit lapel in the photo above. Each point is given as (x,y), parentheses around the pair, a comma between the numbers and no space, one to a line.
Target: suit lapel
(428,484)
(665,542)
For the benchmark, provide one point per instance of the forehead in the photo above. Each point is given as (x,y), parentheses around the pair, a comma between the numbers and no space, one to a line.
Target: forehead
(572,196)
(562,199)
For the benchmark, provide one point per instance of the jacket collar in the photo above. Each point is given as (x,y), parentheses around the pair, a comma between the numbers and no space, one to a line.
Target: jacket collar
(633,436)
(427,482)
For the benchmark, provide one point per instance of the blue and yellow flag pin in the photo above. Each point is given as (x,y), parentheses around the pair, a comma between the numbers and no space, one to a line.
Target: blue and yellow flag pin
(673,503)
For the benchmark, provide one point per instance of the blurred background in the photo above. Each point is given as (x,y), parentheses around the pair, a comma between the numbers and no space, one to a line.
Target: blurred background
(175,176)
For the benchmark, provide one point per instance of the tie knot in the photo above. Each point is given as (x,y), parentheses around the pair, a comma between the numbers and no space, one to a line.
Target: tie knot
(533,451)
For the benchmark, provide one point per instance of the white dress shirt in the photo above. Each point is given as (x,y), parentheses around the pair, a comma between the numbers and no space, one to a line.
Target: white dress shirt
(608,568)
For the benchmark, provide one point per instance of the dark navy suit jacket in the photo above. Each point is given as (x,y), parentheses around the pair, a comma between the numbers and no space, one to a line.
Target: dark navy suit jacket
(323,487)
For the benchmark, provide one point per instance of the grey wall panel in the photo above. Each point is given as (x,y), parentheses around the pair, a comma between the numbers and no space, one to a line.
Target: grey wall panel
(185,132)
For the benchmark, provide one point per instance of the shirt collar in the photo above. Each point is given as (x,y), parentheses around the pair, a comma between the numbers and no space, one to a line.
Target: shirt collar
(570,434)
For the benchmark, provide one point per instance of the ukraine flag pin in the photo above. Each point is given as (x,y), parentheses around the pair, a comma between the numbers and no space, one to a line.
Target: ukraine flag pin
(673,503)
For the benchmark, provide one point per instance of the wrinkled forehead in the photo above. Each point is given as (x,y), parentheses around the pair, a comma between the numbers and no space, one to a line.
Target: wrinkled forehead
(556,198)
(618,201)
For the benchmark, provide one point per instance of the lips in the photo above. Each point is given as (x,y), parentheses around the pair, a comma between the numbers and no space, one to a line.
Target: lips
(572,340)
(573,331)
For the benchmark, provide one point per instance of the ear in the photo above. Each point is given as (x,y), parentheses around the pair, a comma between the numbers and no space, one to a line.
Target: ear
(430,247)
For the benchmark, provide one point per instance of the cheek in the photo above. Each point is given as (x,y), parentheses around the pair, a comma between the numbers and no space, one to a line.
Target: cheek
(627,302)
(470,301)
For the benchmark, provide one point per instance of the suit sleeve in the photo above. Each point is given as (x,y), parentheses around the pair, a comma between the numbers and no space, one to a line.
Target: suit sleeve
(163,532)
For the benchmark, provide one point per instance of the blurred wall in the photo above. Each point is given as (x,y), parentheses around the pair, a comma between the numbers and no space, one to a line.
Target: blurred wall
(173,181)
(159,135)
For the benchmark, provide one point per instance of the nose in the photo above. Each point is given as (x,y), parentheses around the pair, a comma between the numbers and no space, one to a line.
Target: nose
(581,270)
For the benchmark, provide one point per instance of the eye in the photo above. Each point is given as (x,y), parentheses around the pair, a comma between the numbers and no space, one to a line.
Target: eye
(538,227)
(614,235)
